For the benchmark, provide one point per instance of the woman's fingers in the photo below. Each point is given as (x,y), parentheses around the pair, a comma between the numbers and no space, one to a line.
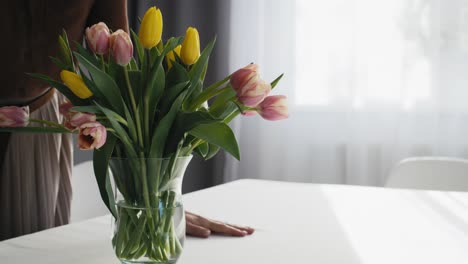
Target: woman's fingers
(225,229)
(201,225)
(247,229)
(197,231)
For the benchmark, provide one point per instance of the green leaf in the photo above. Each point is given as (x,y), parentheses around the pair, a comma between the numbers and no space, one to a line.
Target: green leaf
(59,63)
(105,84)
(35,130)
(135,81)
(202,149)
(218,134)
(177,74)
(153,54)
(62,88)
(69,51)
(110,193)
(154,91)
(230,108)
(162,131)
(185,122)
(213,150)
(97,94)
(170,45)
(219,105)
(131,124)
(113,70)
(119,130)
(139,48)
(87,109)
(133,66)
(200,66)
(65,52)
(195,91)
(89,56)
(275,81)
(171,94)
(100,163)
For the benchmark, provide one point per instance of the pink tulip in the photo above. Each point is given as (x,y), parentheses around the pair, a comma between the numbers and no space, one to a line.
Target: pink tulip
(64,108)
(242,76)
(92,135)
(274,108)
(14,116)
(78,118)
(253,92)
(121,47)
(74,119)
(97,38)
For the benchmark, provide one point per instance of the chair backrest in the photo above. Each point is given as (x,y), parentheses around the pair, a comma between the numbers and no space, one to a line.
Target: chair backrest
(430,173)
(86,202)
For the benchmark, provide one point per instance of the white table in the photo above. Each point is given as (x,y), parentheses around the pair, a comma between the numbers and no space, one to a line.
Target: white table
(296,223)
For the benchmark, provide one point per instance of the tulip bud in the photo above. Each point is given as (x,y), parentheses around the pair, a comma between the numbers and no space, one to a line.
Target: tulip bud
(14,116)
(253,92)
(74,119)
(190,51)
(240,77)
(97,38)
(76,84)
(151,28)
(79,118)
(92,135)
(121,47)
(171,56)
(274,108)
(65,108)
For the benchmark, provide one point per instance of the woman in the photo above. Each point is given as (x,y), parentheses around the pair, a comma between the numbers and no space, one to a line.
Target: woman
(35,173)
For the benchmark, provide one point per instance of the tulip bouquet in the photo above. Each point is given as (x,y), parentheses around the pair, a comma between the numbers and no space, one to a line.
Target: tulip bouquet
(150,109)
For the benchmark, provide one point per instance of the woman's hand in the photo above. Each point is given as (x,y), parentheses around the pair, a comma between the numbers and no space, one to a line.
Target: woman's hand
(199,226)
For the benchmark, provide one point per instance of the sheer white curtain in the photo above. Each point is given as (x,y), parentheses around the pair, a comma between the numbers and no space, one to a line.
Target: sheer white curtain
(370,82)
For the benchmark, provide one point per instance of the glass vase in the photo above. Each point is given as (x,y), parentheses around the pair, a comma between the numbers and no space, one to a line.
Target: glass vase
(150,220)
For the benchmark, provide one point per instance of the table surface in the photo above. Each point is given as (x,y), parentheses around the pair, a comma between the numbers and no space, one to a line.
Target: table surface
(295,223)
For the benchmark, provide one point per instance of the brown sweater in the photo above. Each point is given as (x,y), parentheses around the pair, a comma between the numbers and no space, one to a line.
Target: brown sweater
(30,30)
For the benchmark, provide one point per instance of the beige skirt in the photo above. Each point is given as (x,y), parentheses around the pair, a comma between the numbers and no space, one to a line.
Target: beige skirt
(35,180)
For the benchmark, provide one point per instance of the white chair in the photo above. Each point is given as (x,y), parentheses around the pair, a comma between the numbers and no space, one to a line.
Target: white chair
(430,173)
(86,202)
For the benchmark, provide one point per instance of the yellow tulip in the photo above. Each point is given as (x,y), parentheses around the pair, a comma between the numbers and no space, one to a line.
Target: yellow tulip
(76,84)
(171,56)
(190,51)
(151,28)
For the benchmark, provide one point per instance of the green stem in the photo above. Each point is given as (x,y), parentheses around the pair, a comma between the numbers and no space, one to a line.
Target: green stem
(146,121)
(103,64)
(206,96)
(144,182)
(45,122)
(134,106)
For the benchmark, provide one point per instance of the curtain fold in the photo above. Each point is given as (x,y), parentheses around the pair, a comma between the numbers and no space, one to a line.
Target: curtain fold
(370,82)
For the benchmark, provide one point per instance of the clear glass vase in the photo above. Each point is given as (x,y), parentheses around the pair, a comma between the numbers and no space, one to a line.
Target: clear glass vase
(150,224)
